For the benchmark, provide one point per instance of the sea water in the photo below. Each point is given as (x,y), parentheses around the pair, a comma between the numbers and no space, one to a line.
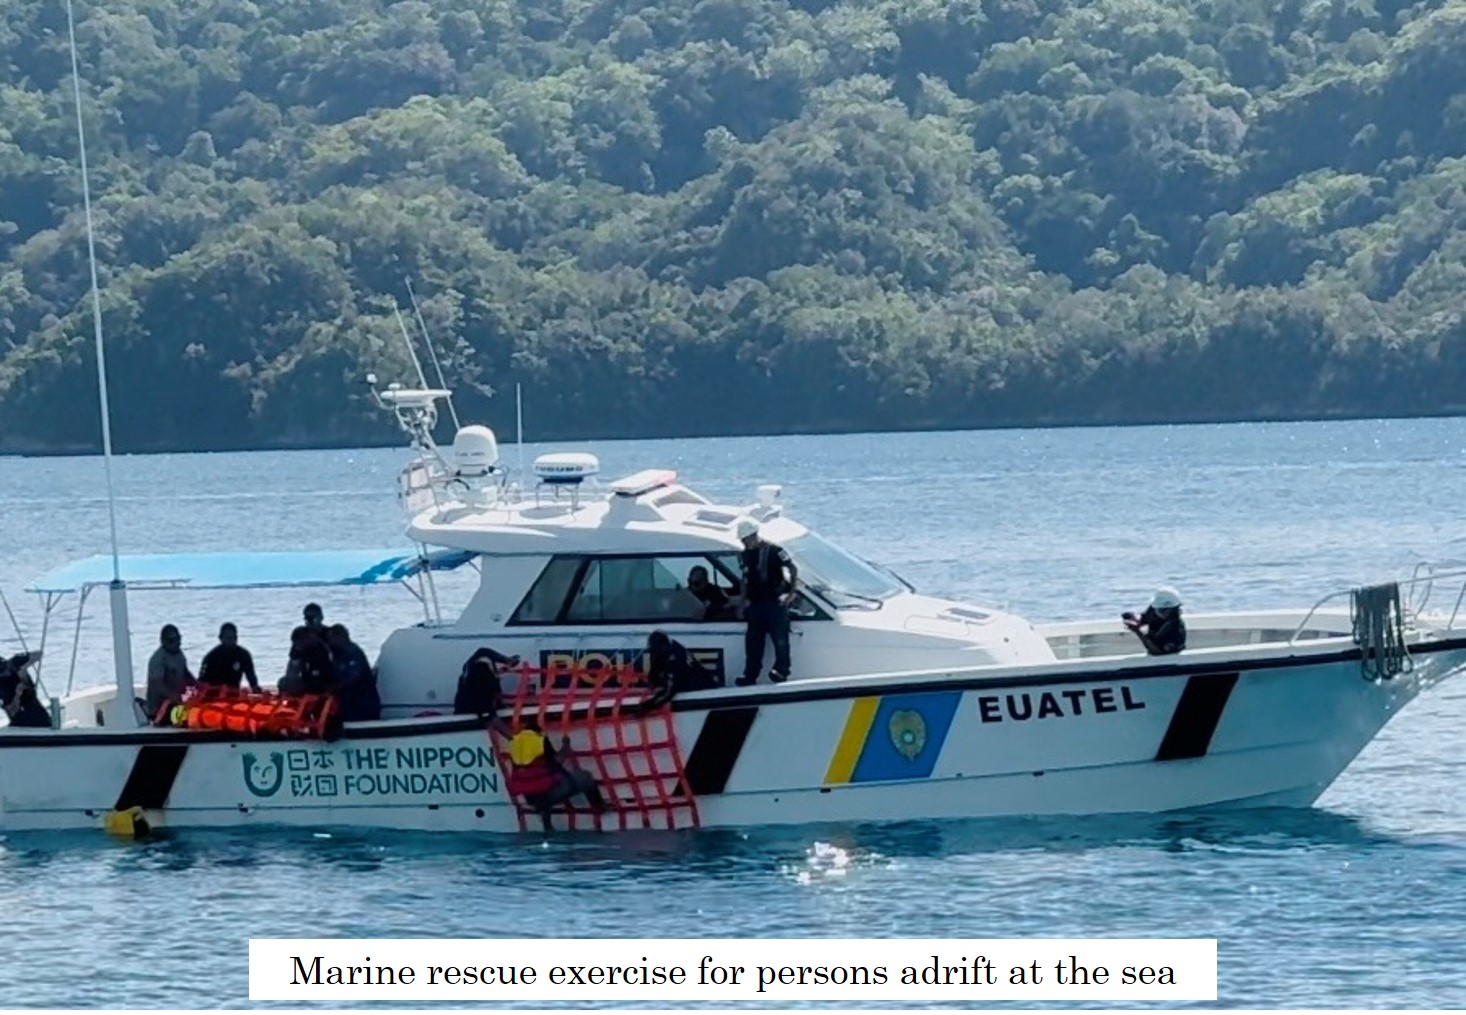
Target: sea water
(1358,902)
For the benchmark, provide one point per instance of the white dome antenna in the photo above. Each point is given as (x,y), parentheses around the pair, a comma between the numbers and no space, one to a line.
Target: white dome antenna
(567,468)
(475,451)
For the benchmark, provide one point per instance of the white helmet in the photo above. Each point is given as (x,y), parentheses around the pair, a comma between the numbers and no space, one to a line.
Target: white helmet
(746,527)
(1165,598)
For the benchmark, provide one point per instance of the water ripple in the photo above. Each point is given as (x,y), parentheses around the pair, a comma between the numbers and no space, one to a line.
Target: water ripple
(1357,903)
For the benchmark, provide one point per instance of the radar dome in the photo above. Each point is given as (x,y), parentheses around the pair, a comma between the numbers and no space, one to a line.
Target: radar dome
(566,468)
(475,451)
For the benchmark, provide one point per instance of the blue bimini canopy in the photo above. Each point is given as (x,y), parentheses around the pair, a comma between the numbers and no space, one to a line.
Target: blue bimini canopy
(288,569)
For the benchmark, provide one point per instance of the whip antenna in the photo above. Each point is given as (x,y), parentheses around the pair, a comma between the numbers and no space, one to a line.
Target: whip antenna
(428,341)
(123,711)
(407,341)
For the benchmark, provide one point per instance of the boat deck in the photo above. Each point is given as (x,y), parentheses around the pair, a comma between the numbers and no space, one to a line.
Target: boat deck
(1108,639)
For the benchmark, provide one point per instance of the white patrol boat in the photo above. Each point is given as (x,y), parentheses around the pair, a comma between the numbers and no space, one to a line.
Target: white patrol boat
(900,705)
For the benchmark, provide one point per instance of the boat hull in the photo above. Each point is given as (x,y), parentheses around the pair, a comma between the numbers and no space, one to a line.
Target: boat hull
(1215,734)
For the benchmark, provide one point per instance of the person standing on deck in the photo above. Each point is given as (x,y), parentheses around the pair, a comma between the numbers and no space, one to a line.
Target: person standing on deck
(168,673)
(769,576)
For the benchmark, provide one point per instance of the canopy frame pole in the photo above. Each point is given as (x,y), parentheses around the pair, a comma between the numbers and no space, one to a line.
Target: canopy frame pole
(81,605)
(433,613)
(45,626)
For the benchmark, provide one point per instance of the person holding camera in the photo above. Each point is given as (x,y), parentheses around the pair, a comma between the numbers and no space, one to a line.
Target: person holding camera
(1160,628)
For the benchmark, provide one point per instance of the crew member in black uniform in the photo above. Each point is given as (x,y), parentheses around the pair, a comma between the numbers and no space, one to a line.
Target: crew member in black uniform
(314,618)
(716,603)
(228,663)
(18,692)
(310,669)
(671,670)
(1160,628)
(479,689)
(768,588)
(357,699)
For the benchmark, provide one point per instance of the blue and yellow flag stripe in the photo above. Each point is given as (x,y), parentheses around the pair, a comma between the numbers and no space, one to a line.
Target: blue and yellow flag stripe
(852,740)
(889,737)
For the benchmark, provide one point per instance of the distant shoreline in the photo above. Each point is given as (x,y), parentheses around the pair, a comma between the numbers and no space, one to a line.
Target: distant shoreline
(372,441)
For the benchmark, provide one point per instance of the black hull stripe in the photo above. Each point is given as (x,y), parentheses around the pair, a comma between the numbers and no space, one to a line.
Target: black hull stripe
(1194,722)
(784,695)
(153,773)
(717,748)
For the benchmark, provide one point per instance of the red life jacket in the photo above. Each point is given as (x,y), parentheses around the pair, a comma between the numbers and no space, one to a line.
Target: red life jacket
(539,776)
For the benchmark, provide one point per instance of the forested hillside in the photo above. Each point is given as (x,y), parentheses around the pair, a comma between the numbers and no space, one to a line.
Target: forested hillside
(723,216)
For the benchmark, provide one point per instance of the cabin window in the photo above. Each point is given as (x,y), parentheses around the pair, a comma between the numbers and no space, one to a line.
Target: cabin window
(635,590)
(839,576)
(631,589)
(546,596)
(727,574)
(804,608)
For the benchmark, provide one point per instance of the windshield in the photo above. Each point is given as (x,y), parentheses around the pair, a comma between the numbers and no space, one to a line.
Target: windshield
(826,568)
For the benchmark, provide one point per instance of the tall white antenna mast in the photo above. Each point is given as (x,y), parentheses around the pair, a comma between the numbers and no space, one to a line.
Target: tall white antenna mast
(407,340)
(123,707)
(428,341)
(86,201)
(519,425)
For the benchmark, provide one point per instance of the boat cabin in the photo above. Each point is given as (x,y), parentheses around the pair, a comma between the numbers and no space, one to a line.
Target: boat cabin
(570,579)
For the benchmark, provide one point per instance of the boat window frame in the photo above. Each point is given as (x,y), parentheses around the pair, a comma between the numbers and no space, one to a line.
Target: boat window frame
(576,576)
(798,546)
(584,561)
(817,609)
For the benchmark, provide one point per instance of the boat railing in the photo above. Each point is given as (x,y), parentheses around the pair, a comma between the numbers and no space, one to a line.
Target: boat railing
(1416,589)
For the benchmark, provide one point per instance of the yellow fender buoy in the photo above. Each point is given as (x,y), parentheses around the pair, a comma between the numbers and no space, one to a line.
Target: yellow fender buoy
(128,824)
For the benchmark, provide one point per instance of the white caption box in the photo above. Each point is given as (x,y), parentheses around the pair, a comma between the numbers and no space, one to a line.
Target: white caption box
(728,969)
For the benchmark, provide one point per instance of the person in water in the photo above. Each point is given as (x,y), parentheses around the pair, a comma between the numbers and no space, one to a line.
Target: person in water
(547,778)
(18,692)
(1160,628)
(228,663)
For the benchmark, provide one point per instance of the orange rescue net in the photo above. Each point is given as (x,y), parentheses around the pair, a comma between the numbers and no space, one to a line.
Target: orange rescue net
(628,739)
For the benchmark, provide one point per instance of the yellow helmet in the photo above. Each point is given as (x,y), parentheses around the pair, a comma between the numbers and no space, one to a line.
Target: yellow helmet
(526,747)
